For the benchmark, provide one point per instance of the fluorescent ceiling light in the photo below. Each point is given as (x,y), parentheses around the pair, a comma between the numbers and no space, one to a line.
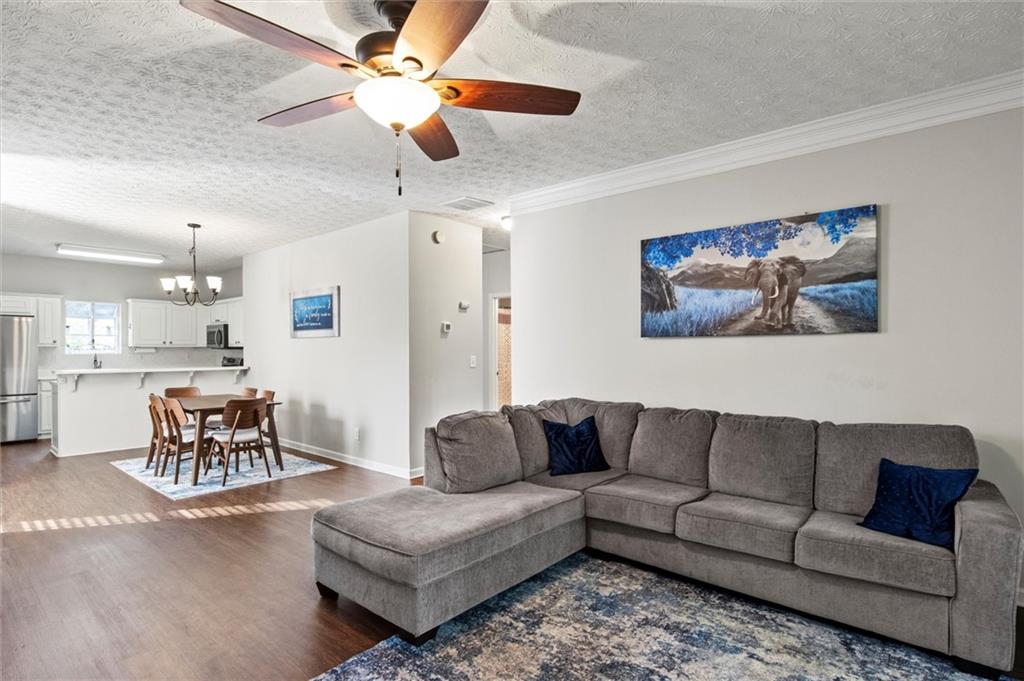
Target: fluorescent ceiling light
(109,254)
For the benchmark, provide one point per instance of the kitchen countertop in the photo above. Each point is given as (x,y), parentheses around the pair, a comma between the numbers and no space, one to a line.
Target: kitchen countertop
(143,370)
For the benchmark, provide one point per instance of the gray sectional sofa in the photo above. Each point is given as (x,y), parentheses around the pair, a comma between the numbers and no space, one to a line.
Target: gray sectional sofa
(765,506)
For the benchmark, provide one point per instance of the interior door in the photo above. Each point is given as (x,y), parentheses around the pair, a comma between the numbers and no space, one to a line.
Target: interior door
(503,353)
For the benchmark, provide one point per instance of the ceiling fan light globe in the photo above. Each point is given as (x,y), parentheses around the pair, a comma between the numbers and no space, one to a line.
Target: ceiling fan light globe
(395,102)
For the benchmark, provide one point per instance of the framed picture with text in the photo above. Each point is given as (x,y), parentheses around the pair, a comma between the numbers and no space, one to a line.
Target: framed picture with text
(316,313)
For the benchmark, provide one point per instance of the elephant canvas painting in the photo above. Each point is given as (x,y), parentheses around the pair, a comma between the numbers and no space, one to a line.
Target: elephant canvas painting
(809,274)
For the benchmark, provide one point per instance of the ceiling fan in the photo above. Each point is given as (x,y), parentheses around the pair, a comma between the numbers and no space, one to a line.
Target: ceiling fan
(398,68)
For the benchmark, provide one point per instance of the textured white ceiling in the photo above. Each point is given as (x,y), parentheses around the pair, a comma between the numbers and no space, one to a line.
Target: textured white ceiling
(122,121)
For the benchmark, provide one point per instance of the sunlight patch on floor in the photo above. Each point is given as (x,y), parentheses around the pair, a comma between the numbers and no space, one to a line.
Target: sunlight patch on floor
(149,517)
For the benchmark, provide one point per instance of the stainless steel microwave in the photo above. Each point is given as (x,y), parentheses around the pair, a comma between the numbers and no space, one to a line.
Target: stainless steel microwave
(217,336)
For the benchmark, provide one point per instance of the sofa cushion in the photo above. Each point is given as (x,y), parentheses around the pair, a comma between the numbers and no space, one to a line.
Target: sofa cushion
(478,451)
(834,543)
(672,444)
(416,535)
(846,473)
(616,422)
(574,449)
(641,501)
(754,526)
(763,457)
(576,481)
(917,502)
(528,425)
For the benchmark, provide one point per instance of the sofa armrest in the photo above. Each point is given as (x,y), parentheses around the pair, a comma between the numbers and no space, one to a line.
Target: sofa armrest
(988,545)
(433,474)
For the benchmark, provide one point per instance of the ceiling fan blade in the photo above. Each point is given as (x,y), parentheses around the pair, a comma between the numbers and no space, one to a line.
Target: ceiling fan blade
(309,111)
(272,34)
(435,139)
(496,95)
(433,31)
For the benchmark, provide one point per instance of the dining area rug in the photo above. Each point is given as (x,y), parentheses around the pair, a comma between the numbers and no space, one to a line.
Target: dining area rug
(209,483)
(590,618)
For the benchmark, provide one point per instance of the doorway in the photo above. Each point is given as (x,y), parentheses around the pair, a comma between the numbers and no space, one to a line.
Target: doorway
(501,351)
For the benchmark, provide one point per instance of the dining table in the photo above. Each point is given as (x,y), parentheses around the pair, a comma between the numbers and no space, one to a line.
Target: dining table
(202,407)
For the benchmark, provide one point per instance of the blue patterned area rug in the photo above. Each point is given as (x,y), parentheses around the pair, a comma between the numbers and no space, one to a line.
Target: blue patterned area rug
(294,466)
(587,618)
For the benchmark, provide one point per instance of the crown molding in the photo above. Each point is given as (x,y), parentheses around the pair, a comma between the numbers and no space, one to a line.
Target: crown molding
(959,102)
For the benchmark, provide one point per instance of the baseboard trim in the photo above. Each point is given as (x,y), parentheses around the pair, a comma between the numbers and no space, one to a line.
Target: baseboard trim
(358,461)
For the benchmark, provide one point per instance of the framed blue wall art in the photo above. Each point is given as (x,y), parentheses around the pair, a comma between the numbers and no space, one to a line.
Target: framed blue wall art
(815,273)
(316,313)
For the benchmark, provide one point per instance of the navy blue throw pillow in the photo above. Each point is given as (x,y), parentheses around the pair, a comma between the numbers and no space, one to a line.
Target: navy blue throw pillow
(574,449)
(917,502)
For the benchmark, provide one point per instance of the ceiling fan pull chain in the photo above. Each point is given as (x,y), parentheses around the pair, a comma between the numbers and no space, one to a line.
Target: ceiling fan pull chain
(398,160)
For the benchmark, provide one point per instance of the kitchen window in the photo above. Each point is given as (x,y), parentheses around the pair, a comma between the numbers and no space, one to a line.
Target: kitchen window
(92,328)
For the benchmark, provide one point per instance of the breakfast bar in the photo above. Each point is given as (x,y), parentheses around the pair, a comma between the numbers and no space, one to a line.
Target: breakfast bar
(102,410)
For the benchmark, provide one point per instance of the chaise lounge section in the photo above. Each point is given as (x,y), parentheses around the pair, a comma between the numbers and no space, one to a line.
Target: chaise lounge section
(765,506)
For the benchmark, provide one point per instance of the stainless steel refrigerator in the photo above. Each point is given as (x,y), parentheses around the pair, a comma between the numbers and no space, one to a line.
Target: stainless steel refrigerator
(19,378)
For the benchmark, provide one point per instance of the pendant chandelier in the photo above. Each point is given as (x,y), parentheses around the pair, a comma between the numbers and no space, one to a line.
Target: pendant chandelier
(188,284)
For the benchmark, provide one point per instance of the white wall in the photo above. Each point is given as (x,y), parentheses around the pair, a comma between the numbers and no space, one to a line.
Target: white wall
(497,276)
(80,279)
(950,345)
(441,381)
(103,282)
(331,386)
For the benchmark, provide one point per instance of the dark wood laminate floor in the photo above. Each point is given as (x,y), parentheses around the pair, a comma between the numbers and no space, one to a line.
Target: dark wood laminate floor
(212,598)
(206,598)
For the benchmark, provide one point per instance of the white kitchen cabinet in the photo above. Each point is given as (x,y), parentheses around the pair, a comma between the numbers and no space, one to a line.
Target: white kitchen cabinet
(50,321)
(45,407)
(219,312)
(147,323)
(181,325)
(17,304)
(229,312)
(204,317)
(235,323)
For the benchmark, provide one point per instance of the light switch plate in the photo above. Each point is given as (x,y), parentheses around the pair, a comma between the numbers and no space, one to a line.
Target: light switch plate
(472,361)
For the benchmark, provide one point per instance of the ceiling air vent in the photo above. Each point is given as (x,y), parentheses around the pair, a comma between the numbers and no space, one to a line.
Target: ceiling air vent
(468,203)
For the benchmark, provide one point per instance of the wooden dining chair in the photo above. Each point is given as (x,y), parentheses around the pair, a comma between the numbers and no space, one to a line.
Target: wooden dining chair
(250,392)
(187,391)
(162,431)
(242,433)
(157,439)
(268,395)
(181,439)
